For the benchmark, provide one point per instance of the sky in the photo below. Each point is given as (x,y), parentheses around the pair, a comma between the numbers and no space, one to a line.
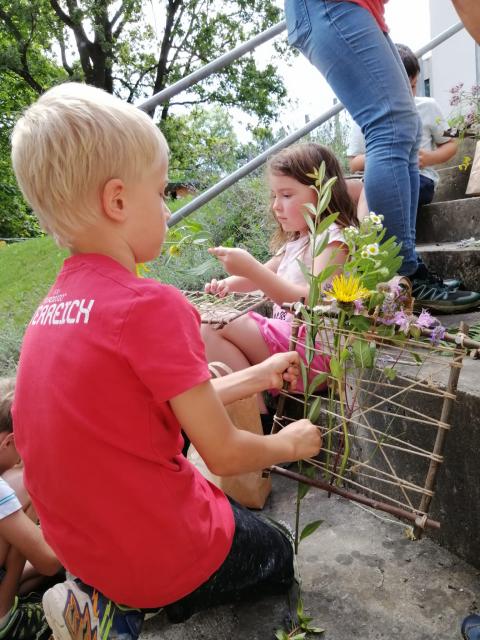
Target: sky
(409,23)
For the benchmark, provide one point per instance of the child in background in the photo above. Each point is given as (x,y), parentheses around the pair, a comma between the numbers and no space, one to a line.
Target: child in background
(435,148)
(20,539)
(251,338)
(111,366)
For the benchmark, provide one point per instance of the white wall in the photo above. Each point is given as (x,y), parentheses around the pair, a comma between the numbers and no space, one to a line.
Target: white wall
(454,60)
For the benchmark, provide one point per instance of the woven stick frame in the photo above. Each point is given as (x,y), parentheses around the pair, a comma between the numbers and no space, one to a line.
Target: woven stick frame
(389,402)
(219,312)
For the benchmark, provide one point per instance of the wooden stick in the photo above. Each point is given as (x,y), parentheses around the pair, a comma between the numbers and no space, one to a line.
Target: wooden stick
(356,497)
(442,433)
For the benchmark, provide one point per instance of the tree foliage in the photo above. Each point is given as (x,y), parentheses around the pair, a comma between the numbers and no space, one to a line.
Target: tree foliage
(119,46)
(135,49)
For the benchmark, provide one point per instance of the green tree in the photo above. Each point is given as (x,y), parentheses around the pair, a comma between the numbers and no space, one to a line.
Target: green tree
(116,46)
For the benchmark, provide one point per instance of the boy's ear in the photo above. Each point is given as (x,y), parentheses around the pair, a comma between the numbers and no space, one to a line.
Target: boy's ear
(114,200)
(8,440)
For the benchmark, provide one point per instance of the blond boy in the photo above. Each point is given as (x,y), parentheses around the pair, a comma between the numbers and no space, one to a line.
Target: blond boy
(111,366)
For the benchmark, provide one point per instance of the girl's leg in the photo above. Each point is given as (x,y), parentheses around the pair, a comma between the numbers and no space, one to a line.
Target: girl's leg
(239,344)
(345,43)
(260,563)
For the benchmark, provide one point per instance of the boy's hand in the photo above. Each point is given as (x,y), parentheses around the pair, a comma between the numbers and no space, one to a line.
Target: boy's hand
(281,367)
(219,288)
(424,159)
(237,262)
(305,439)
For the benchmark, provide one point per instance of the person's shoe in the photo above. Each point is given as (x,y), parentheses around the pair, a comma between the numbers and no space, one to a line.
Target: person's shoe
(471,627)
(439,298)
(75,611)
(26,621)
(422,273)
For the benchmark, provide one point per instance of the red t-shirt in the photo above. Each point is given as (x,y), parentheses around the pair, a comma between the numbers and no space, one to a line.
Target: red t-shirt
(376,8)
(119,504)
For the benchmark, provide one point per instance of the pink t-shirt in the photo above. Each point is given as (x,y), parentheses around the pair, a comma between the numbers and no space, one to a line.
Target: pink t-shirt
(118,502)
(376,8)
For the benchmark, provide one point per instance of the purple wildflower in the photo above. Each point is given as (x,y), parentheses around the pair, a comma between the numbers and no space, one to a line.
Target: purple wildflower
(425,320)
(470,118)
(438,333)
(403,321)
(458,87)
(476,90)
(359,306)
(454,100)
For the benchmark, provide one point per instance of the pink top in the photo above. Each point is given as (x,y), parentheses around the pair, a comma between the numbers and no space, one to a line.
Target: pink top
(376,8)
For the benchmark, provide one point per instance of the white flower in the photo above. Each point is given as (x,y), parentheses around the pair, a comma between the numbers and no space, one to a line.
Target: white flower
(353,230)
(371,249)
(364,253)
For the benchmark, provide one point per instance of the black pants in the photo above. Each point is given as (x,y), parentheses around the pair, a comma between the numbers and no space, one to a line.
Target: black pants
(260,563)
(427,191)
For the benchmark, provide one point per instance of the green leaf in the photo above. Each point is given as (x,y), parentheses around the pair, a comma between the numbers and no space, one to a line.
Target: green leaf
(319,379)
(363,354)
(299,636)
(314,410)
(309,221)
(202,268)
(281,635)
(326,273)
(304,372)
(390,373)
(359,323)
(416,357)
(310,528)
(326,222)
(336,368)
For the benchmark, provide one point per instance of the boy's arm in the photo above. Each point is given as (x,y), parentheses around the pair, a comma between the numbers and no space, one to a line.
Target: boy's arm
(227,450)
(441,154)
(20,532)
(269,374)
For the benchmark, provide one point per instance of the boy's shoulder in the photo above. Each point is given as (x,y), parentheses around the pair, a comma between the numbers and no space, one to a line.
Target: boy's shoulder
(427,104)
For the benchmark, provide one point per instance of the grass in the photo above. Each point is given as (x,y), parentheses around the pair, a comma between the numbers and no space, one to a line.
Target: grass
(27,269)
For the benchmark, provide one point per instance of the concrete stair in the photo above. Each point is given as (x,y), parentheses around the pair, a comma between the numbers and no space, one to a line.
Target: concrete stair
(448,228)
(445,230)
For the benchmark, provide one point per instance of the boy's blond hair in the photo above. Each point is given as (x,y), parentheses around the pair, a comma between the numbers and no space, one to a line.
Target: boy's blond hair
(7,387)
(69,143)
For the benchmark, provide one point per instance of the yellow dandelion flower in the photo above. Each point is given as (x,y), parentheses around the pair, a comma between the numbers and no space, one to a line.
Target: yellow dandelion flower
(141,269)
(347,289)
(174,250)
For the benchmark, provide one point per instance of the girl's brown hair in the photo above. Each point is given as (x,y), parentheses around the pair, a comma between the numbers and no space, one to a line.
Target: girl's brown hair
(298,160)
(7,386)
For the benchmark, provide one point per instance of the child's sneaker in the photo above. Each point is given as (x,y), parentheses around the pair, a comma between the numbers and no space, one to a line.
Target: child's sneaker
(76,611)
(25,622)
(471,627)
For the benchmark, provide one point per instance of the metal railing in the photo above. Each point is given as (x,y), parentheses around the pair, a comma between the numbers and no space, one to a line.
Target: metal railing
(222,62)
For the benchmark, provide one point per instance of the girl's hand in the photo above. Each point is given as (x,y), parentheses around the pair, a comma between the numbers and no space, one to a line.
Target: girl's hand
(305,439)
(280,368)
(219,288)
(237,262)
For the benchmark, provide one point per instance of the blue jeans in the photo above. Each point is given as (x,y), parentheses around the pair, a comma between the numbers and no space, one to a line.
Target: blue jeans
(361,64)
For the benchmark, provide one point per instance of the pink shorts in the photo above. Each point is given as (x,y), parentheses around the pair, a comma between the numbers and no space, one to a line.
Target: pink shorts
(276,334)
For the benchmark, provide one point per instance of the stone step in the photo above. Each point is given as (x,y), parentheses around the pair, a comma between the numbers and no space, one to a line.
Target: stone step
(451,261)
(452,184)
(449,221)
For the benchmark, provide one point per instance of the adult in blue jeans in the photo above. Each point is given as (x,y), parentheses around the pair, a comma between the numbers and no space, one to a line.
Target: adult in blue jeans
(348,42)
